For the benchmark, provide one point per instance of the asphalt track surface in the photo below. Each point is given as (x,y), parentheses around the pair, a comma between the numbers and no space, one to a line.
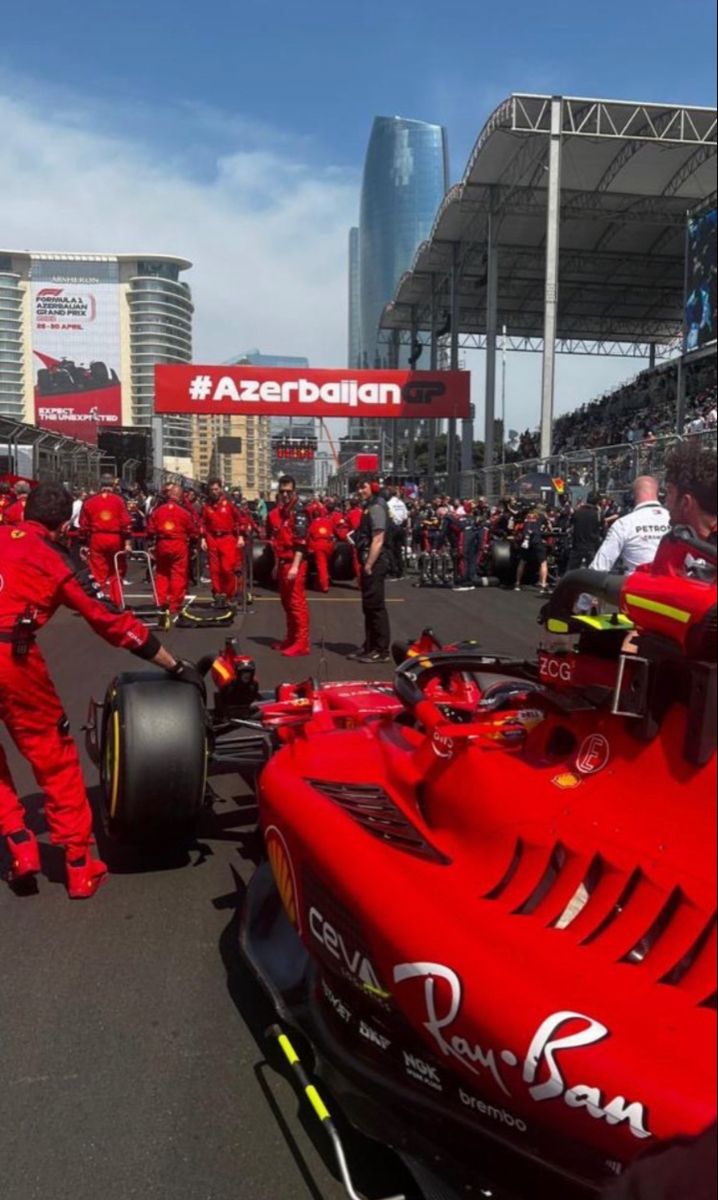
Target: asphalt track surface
(132,1057)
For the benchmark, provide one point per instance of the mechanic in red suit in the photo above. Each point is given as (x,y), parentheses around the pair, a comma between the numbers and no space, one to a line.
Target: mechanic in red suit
(15,513)
(106,523)
(221,526)
(315,509)
(288,528)
(37,577)
(320,540)
(173,526)
(7,499)
(248,527)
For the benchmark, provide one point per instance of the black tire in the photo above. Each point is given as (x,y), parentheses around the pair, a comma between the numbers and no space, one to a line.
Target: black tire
(502,565)
(263,562)
(341,564)
(153,758)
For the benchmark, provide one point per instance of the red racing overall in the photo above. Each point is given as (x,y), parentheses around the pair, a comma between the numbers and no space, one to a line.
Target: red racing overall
(321,545)
(173,526)
(221,529)
(38,577)
(107,524)
(15,512)
(287,528)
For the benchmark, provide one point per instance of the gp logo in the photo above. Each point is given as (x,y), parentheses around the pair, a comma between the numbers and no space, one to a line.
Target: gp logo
(422,392)
(594,754)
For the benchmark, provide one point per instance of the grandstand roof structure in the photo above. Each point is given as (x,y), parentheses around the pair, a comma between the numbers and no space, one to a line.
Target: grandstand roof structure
(629,173)
(568,228)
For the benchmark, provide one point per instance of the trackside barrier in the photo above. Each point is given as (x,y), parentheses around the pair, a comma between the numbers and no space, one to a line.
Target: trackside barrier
(606,469)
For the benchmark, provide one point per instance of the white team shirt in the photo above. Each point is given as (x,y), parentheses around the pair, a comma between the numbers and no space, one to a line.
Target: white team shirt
(634,538)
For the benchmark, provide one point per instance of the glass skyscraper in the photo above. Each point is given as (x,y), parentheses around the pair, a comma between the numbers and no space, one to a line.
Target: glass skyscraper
(354,356)
(405,179)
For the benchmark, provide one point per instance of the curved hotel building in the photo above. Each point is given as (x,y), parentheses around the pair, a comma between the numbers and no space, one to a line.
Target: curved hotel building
(80,335)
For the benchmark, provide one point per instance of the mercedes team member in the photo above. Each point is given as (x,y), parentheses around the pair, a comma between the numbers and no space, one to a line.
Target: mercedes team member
(636,537)
(173,526)
(220,527)
(106,523)
(288,528)
(37,577)
(370,541)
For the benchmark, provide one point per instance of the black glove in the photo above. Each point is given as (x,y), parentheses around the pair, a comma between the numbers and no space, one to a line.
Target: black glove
(186,672)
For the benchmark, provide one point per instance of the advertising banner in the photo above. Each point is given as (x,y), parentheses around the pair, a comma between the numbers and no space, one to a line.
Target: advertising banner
(76,353)
(304,392)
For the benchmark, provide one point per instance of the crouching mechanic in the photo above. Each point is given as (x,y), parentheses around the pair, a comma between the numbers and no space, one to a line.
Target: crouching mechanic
(37,577)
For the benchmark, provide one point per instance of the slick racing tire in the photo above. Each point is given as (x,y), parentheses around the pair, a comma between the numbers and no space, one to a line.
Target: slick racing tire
(153,758)
(342,563)
(502,563)
(263,562)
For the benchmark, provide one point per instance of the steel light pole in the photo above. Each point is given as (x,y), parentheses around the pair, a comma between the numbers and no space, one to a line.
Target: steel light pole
(503,396)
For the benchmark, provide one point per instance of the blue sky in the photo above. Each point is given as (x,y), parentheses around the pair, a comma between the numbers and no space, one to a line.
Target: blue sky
(234,132)
(317,71)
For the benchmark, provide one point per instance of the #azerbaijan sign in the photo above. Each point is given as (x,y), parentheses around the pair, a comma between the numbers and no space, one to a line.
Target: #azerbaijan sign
(271,392)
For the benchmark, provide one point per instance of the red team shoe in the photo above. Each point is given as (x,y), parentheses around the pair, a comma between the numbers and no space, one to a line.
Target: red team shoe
(24,855)
(298,650)
(84,876)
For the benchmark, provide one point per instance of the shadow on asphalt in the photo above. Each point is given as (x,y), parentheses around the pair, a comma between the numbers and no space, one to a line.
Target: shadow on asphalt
(376,1170)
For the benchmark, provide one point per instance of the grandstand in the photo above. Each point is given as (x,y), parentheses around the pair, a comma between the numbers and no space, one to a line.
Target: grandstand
(568,229)
(643,406)
(603,445)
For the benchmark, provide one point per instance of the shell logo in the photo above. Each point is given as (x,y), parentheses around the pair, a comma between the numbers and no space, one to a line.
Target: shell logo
(283,871)
(567,781)
(105,515)
(17,534)
(168,526)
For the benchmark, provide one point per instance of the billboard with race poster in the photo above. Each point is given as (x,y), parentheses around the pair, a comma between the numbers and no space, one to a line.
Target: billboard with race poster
(76,352)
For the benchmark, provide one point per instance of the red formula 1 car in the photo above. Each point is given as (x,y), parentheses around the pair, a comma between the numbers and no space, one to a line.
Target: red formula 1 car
(489,896)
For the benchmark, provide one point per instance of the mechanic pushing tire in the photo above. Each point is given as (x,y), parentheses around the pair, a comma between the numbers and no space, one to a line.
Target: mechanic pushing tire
(153,759)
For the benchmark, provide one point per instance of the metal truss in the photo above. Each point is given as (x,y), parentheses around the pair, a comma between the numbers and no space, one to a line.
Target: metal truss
(534,345)
(614,119)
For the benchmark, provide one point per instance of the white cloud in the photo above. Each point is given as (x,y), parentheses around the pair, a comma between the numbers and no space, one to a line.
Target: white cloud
(266,231)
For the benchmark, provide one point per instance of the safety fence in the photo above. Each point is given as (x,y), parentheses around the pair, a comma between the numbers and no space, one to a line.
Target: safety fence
(52,458)
(609,470)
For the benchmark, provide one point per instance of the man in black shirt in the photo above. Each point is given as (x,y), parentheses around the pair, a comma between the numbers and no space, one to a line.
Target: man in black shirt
(586,533)
(371,545)
(532,552)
